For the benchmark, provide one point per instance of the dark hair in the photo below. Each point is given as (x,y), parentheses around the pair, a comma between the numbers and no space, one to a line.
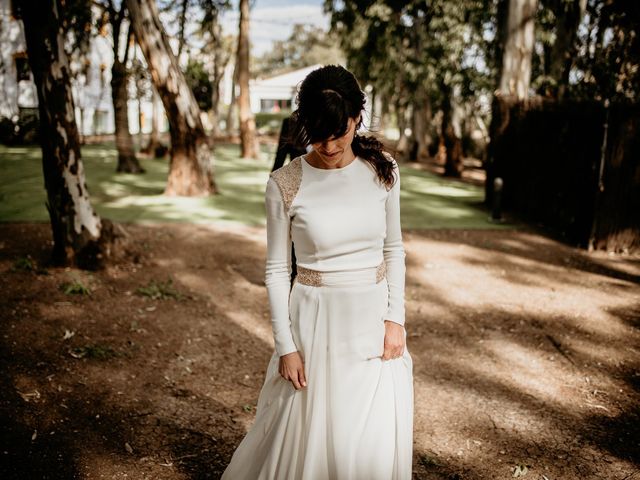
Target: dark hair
(327,98)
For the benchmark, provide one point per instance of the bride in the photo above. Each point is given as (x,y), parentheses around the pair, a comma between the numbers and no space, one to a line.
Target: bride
(337,399)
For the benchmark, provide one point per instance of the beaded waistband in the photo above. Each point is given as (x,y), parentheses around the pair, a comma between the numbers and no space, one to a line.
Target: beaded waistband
(316,278)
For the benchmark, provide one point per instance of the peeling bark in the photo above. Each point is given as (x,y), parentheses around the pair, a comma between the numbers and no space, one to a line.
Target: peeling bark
(191,166)
(80,236)
(515,75)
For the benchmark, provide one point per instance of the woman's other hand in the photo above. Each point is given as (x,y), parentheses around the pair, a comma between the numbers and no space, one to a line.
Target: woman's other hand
(393,340)
(292,368)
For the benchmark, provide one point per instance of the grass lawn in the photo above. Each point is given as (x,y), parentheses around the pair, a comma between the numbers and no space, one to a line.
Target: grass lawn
(428,201)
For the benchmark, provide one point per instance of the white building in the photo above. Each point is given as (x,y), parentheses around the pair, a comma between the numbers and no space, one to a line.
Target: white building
(277,93)
(90,83)
(16,88)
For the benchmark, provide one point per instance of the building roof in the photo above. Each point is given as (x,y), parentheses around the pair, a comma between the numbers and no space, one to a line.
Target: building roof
(290,79)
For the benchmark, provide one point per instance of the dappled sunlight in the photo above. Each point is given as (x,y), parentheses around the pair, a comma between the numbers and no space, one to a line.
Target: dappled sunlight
(526,342)
(528,371)
(607,354)
(261,330)
(504,371)
(545,287)
(427,201)
(458,190)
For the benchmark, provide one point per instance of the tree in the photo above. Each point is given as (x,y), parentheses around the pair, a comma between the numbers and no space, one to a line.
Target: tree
(514,48)
(568,15)
(80,236)
(248,140)
(220,48)
(607,64)
(233,105)
(127,160)
(517,40)
(154,141)
(307,45)
(191,171)
(420,57)
(198,80)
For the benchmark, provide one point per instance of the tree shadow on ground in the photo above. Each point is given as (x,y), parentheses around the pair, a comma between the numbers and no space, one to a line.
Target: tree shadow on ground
(532,246)
(181,385)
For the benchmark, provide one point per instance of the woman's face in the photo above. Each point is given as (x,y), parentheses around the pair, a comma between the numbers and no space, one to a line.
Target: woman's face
(334,149)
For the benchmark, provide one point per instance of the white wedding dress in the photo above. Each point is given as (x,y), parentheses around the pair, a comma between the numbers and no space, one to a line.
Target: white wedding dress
(354,420)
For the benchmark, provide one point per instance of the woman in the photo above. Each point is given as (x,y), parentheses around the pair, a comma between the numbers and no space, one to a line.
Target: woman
(337,400)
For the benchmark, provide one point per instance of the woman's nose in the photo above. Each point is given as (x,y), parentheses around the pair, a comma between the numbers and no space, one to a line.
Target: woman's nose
(328,145)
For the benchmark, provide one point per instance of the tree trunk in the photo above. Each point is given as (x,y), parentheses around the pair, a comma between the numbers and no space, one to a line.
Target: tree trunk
(190,171)
(514,48)
(383,108)
(403,141)
(154,140)
(127,161)
(215,107)
(421,121)
(232,104)
(515,75)
(452,142)
(81,133)
(248,140)
(568,15)
(182,20)
(140,114)
(220,60)
(79,235)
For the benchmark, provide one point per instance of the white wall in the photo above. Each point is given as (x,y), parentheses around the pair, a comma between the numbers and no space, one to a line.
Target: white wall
(91,88)
(13,94)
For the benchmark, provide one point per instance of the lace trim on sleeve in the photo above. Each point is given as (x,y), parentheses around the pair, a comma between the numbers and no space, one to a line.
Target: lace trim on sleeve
(288,179)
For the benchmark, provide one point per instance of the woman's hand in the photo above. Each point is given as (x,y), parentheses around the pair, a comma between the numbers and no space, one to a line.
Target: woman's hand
(393,340)
(292,368)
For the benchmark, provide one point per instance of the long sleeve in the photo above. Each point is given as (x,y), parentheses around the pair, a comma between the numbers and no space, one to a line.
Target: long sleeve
(278,268)
(394,255)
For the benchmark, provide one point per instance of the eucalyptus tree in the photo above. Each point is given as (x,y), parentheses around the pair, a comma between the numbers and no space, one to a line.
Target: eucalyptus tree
(417,55)
(307,45)
(249,146)
(115,16)
(80,236)
(607,61)
(219,48)
(514,46)
(191,165)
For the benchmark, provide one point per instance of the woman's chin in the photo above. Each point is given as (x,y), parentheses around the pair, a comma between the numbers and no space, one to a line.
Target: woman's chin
(333,160)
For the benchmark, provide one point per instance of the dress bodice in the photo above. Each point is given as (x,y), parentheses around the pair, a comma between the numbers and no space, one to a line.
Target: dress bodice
(338,219)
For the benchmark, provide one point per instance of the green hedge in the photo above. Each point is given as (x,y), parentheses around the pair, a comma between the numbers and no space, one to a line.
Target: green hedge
(270,123)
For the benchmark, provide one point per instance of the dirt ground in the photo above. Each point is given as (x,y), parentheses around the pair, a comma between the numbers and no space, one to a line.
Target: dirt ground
(526,356)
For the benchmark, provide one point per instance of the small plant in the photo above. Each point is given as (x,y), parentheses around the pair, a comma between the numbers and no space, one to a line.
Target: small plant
(427,461)
(24,264)
(75,287)
(160,290)
(95,352)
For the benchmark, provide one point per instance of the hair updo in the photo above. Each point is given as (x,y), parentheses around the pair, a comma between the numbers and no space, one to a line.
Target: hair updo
(327,98)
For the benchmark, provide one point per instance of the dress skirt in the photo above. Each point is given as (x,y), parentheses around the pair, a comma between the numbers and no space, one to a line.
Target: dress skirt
(354,419)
